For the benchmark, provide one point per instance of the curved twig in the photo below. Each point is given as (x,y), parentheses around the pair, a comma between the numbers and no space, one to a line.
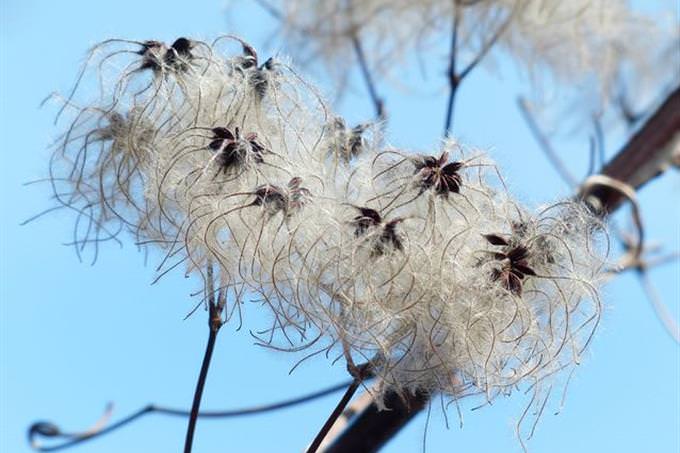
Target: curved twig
(47,429)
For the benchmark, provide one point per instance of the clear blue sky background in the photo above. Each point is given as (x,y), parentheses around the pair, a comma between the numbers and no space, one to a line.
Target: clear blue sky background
(74,337)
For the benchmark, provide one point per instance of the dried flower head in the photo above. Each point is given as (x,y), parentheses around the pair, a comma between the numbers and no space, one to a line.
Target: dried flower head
(426,262)
(437,174)
(514,265)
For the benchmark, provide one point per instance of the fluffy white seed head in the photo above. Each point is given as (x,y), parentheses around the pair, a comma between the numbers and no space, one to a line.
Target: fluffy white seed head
(236,169)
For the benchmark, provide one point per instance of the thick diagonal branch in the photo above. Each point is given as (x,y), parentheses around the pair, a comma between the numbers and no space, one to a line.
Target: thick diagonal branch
(373,428)
(648,153)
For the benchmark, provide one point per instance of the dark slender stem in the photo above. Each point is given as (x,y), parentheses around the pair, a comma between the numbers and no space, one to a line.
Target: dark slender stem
(454,79)
(334,415)
(152,408)
(448,125)
(214,324)
(378,103)
(199,390)
(489,43)
(373,427)
(257,409)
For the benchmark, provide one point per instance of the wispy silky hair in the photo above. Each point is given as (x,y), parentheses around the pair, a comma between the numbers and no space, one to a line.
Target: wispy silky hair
(640,82)
(235,169)
(576,40)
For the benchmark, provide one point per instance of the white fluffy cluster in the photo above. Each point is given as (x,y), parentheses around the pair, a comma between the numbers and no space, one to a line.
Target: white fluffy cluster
(575,40)
(423,264)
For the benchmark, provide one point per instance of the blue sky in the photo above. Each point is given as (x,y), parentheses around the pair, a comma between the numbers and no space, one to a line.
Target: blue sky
(74,337)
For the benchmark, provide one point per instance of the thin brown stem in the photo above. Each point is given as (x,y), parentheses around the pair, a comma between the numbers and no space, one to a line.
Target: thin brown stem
(376,99)
(378,103)
(359,373)
(198,393)
(214,324)
(487,45)
(374,427)
(46,429)
(454,79)
(351,390)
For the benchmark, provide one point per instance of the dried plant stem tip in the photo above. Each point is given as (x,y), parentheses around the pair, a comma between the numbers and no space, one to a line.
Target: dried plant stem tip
(214,323)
